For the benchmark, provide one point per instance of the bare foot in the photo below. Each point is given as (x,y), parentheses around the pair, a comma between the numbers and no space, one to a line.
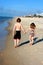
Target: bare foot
(30,44)
(15,46)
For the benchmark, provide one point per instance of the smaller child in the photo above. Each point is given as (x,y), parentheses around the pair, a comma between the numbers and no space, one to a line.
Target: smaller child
(32,33)
(17,28)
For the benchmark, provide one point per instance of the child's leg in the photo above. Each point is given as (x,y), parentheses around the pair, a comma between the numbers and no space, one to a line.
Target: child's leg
(32,40)
(15,43)
(18,40)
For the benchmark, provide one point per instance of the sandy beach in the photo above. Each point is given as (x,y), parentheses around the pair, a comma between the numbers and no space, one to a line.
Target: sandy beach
(24,54)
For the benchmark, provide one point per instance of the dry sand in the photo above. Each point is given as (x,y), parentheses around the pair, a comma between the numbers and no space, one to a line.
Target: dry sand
(24,54)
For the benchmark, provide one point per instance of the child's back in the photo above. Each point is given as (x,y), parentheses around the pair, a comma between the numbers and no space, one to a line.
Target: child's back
(17,26)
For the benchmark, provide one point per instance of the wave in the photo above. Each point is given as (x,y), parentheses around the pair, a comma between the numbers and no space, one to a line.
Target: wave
(4,18)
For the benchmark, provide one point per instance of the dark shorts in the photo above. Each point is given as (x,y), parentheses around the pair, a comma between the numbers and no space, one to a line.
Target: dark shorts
(17,35)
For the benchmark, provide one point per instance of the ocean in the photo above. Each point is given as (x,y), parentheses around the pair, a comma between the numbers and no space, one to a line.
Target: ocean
(3,33)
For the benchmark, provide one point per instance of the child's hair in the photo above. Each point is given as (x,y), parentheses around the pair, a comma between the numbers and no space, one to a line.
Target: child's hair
(32,25)
(18,20)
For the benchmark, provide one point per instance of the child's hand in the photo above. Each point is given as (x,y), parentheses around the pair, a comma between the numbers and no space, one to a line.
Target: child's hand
(25,32)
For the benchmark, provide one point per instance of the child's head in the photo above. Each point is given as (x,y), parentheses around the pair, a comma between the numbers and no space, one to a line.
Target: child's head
(18,20)
(32,25)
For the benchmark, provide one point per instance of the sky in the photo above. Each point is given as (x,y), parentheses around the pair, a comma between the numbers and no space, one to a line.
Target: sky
(21,6)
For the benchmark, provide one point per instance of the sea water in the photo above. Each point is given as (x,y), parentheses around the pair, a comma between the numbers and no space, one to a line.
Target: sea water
(3,32)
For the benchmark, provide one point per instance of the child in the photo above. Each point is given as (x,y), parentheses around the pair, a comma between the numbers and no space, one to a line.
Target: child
(32,33)
(17,28)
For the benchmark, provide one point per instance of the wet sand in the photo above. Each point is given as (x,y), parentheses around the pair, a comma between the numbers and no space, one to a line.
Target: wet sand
(24,54)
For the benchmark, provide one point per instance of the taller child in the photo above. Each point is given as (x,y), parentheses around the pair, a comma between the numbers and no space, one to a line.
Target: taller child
(17,29)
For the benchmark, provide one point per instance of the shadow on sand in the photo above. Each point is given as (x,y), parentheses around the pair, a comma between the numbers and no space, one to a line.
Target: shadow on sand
(35,41)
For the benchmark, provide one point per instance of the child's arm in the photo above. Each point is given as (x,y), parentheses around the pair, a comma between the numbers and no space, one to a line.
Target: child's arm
(27,30)
(13,30)
(22,29)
